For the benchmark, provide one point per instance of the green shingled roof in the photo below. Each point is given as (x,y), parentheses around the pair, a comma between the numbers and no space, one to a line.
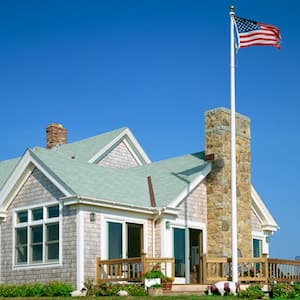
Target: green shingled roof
(69,165)
(128,186)
(85,149)
(6,167)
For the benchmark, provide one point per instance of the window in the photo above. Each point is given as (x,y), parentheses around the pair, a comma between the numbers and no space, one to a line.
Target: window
(179,252)
(124,240)
(37,235)
(114,240)
(257,248)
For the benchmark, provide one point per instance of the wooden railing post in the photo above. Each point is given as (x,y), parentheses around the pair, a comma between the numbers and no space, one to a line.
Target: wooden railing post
(98,271)
(266,264)
(204,268)
(143,264)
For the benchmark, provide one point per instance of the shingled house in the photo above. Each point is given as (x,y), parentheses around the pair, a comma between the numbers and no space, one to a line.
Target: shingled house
(64,205)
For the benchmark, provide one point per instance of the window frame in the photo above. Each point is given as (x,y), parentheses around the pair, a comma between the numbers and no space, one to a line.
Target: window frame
(260,246)
(108,218)
(31,223)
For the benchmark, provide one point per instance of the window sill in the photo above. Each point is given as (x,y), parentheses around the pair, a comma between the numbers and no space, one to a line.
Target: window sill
(37,265)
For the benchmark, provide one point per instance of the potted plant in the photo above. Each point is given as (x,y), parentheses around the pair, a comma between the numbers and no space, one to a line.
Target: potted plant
(167,282)
(153,277)
(155,290)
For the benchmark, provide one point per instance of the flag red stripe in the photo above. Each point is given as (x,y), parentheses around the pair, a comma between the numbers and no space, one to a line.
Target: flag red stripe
(252,33)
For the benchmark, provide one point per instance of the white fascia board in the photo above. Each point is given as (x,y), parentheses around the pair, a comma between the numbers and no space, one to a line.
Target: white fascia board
(18,177)
(131,140)
(75,200)
(260,209)
(174,203)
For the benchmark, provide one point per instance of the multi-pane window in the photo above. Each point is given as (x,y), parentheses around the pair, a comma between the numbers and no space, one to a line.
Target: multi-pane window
(37,235)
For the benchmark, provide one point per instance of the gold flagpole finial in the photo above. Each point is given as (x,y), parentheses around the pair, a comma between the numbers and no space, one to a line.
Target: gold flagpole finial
(231,8)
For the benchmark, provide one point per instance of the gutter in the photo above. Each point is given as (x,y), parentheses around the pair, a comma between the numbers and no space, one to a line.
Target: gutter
(77,199)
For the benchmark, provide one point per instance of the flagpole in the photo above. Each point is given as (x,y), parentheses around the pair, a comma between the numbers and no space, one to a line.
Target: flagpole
(233,152)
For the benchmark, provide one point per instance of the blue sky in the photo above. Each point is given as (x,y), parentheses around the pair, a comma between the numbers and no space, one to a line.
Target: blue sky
(155,66)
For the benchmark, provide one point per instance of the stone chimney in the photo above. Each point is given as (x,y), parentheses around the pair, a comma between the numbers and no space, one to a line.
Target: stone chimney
(56,135)
(218,141)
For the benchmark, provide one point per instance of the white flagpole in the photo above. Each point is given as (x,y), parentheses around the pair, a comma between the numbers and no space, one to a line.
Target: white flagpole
(233,152)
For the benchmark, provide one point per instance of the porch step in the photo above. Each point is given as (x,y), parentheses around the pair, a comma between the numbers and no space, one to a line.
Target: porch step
(195,289)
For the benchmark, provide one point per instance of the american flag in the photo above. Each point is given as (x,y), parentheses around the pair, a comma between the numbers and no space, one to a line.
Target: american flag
(252,33)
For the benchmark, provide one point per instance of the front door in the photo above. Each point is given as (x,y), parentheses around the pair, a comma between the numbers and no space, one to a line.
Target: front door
(196,251)
(134,240)
(188,256)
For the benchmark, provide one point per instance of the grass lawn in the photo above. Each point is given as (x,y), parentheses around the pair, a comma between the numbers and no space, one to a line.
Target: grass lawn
(177,297)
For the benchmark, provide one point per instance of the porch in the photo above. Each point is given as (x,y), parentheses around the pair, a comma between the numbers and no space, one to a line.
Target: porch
(261,270)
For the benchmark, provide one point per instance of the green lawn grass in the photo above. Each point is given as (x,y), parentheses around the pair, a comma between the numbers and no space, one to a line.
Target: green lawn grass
(177,297)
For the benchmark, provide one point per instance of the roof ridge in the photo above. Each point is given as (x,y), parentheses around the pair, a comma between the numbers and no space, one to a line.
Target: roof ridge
(95,136)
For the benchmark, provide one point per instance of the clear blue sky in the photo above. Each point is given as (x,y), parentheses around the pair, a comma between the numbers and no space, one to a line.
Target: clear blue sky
(155,66)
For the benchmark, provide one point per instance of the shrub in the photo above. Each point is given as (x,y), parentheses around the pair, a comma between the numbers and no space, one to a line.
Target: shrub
(108,289)
(89,284)
(57,289)
(154,274)
(136,290)
(285,290)
(35,290)
(252,292)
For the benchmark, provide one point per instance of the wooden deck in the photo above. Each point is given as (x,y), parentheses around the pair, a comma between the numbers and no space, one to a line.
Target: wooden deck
(261,270)
(131,269)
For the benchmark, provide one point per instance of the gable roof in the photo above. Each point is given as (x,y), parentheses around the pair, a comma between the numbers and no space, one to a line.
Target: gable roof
(128,186)
(6,167)
(72,169)
(93,148)
(262,212)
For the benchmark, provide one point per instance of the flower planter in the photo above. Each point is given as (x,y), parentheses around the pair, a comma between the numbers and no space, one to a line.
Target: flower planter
(152,291)
(151,281)
(167,286)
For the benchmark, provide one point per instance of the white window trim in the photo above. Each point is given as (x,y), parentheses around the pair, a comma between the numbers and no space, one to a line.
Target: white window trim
(168,238)
(28,224)
(263,237)
(123,220)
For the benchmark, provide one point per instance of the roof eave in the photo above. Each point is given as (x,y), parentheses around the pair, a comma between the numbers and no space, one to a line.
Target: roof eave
(79,199)
(185,192)
(269,223)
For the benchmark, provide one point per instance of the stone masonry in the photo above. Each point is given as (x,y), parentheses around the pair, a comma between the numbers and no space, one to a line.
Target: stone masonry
(218,141)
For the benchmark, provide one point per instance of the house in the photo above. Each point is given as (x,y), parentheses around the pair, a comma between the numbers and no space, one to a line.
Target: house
(64,205)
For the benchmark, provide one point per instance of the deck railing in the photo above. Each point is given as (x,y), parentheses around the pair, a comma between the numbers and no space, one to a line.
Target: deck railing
(261,270)
(131,269)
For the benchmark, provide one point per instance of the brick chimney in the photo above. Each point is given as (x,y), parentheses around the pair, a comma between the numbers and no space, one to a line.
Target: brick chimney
(218,142)
(56,135)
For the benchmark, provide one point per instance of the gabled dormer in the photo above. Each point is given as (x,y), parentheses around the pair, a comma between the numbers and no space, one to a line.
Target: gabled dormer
(118,148)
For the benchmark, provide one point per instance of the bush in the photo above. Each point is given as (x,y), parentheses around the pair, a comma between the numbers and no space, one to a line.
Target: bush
(154,274)
(36,290)
(57,289)
(252,292)
(108,289)
(285,290)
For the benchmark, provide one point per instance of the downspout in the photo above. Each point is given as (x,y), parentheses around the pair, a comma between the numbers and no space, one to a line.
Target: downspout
(153,232)
(153,204)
